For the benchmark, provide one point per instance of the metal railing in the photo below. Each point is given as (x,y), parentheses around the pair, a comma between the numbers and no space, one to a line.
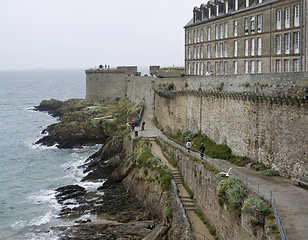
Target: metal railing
(251,184)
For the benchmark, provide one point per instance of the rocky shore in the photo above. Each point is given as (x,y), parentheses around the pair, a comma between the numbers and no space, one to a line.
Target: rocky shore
(110,212)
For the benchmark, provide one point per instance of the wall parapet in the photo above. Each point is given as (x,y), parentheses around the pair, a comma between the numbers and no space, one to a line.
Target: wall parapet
(246,96)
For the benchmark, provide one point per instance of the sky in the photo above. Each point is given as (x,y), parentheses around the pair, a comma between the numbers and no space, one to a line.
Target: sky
(62,34)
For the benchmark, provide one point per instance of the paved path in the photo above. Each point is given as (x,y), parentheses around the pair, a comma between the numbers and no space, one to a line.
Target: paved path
(291,200)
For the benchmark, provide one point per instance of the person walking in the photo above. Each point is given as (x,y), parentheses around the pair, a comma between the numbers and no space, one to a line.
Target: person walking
(188,146)
(142,125)
(202,149)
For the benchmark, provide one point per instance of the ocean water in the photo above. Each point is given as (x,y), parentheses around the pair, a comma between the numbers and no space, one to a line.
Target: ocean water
(29,173)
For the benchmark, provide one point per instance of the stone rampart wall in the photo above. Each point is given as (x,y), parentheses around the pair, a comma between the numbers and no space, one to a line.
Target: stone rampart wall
(266,129)
(105,84)
(140,88)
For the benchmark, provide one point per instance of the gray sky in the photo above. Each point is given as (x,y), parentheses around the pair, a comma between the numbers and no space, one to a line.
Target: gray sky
(85,33)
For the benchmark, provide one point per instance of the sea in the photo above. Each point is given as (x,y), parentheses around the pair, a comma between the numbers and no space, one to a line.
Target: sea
(30,173)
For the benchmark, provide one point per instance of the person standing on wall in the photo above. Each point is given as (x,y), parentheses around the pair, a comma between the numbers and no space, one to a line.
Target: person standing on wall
(188,146)
(202,149)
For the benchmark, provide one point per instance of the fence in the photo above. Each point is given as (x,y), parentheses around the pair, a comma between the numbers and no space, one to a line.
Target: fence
(250,183)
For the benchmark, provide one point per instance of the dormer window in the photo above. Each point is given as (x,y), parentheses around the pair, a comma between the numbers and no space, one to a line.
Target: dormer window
(247,3)
(226,7)
(217,10)
(236,5)
(209,12)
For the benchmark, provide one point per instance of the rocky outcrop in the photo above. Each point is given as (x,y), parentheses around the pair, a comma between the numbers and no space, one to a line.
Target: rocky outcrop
(78,126)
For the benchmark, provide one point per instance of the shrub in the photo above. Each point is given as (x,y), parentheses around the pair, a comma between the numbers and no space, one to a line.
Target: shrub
(270,172)
(256,208)
(231,190)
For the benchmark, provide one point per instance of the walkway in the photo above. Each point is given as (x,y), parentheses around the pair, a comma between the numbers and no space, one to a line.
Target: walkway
(291,200)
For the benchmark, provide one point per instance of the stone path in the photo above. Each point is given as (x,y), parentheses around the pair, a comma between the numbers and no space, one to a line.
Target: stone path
(291,200)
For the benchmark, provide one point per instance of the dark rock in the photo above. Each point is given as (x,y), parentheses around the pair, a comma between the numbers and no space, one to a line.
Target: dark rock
(68,192)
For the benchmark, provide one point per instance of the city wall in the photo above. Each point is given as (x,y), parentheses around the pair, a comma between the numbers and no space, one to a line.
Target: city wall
(263,117)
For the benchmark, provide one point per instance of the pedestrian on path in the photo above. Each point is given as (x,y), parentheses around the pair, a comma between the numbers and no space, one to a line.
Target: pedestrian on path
(188,145)
(142,125)
(138,121)
(202,149)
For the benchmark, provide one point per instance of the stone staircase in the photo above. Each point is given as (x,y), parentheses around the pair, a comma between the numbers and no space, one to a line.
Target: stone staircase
(187,202)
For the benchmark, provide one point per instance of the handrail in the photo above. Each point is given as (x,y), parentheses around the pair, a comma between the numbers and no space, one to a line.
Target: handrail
(244,178)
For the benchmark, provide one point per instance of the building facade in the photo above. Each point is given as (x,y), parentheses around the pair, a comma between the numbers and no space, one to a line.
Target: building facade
(227,37)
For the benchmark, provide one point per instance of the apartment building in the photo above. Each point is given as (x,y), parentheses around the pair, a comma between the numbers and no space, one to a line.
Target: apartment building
(227,37)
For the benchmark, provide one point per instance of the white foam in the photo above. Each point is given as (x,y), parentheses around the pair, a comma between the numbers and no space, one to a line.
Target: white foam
(44,197)
(40,146)
(42,220)
(92,186)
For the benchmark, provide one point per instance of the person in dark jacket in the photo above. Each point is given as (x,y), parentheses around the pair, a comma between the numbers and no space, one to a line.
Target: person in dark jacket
(202,149)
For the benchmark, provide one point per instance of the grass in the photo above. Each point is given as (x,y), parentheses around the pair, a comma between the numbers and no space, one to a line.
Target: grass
(212,149)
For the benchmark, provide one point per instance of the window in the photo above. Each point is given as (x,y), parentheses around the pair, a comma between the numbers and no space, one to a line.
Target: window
(287,17)
(195,68)
(216,68)
(201,35)
(217,9)
(295,65)
(221,68)
(216,50)
(188,36)
(278,19)
(195,53)
(208,67)
(198,52)
(209,33)
(246,66)
(209,51)
(189,53)
(226,30)
(259,23)
(287,65)
(226,67)
(247,3)
(259,66)
(201,68)
(226,7)
(246,47)
(252,71)
(236,5)
(198,36)
(198,68)
(221,50)
(296,15)
(226,49)
(235,48)
(216,32)
(278,65)
(210,12)
(252,25)
(278,44)
(287,43)
(189,66)
(259,46)
(235,28)
(221,31)
(235,67)
(246,26)
(201,51)
(259,1)
(252,47)
(195,37)
(296,42)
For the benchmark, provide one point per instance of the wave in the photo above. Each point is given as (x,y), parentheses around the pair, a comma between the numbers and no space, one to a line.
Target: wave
(42,220)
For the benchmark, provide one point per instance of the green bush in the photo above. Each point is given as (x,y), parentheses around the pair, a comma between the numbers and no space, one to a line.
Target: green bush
(232,191)
(270,172)
(256,208)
